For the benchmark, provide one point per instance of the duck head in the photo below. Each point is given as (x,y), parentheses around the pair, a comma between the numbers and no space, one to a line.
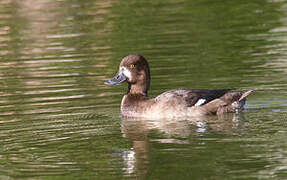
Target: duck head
(134,70)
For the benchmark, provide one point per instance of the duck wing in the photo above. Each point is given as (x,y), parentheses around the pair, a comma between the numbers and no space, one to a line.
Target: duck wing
(194,97)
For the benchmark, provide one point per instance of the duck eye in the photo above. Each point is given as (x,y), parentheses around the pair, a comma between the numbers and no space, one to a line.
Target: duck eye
(132,66)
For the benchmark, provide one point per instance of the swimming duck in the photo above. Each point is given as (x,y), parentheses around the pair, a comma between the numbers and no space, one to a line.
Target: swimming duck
(134,70)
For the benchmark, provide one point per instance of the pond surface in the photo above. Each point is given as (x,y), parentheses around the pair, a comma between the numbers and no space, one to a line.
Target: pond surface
(59,121)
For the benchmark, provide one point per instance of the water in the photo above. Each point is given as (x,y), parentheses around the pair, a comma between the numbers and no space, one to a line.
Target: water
(59,121)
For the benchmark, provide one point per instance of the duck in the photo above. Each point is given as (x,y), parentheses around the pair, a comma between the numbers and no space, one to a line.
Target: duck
(134,70)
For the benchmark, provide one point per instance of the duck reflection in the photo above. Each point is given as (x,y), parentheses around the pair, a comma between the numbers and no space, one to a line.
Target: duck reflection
(177,131)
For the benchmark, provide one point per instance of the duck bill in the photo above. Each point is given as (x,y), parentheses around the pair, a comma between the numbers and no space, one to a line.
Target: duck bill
(117,79)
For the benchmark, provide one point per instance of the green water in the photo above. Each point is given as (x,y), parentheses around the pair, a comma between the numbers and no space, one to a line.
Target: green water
(59,121)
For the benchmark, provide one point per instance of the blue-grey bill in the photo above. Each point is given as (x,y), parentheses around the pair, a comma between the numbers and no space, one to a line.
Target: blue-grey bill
(117,79)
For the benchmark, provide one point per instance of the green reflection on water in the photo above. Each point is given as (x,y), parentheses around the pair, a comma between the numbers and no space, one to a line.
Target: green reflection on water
(59,121)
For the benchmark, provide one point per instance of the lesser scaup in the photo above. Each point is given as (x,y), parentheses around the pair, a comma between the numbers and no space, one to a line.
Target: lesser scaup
(134,70)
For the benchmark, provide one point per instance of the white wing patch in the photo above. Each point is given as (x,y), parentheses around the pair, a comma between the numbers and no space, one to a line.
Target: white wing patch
(200,102)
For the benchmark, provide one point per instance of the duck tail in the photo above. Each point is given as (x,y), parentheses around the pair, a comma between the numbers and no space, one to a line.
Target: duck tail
(233,102)
(245,94)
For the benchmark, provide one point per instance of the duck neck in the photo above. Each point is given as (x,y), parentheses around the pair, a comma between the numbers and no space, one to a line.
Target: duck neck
(141,86)
(136,89)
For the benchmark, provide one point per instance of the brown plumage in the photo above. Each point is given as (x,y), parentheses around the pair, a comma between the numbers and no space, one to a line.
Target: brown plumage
(134,70)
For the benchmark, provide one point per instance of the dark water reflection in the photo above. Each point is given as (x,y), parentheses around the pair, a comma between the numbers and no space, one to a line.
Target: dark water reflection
(58,120)
(177,132)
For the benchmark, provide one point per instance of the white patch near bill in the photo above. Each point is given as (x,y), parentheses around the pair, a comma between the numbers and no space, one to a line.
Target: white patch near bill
(126,72)
(200,102)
